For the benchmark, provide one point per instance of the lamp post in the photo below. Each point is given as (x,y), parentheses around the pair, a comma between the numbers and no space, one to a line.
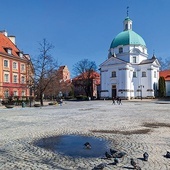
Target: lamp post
(30,94)
(141,86)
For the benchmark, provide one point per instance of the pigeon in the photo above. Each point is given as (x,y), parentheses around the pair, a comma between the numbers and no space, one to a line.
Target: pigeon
(167,154)
(138,168)
(108,156)
(119,155)
(145,156)
(116,161)
(133,163)
(112,151)
(100,166)
(87,145)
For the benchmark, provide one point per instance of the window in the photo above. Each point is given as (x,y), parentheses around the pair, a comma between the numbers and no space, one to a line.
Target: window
(126,26)
(6,94)
(121,50)
(6,77)
(15,66)
(9,51)
(143,49)
(21,54)
(22,79)
(113,73)
(22,67)
(143,74)
(154,74)
(15,93)
(134,59)
(15,78)
(23,93)
(5,63)
(134,74)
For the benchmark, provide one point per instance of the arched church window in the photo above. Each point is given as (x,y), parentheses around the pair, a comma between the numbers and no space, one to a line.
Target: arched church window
(121,50)
(113,74)
(143,74)
(154,74)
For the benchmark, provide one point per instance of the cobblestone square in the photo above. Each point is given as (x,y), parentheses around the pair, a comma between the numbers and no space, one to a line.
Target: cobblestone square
(134,127)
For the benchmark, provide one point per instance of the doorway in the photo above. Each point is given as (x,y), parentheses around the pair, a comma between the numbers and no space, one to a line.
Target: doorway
(114,93)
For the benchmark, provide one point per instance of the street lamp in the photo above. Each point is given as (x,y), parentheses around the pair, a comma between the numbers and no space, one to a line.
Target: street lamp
(141,86)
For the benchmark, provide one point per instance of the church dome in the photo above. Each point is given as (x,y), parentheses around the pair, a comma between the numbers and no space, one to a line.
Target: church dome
(127,37)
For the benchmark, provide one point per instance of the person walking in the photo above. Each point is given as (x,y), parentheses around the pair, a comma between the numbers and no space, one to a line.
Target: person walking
(113,99)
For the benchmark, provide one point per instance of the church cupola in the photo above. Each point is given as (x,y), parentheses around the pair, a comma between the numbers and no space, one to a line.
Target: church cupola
(127,24)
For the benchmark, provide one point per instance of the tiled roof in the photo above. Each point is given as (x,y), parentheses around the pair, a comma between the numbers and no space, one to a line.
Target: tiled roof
(93,75)
(165,74)
(5,42)
(85,75)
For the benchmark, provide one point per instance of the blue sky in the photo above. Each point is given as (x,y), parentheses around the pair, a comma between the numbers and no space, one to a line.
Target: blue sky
(81,29)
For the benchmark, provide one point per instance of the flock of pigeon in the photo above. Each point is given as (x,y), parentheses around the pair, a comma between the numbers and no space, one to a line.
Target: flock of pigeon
(117,155)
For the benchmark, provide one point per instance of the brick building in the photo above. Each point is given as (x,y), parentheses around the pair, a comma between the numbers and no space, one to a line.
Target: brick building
(80,84)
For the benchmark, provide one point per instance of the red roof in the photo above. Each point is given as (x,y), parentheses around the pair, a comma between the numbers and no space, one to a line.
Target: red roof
(93,75)
(5,43)
(165,74)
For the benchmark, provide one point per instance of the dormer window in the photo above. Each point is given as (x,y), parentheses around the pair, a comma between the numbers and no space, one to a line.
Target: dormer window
(8,50)
(20,54)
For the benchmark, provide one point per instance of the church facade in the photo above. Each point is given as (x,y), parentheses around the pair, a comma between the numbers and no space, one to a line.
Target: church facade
(128,72)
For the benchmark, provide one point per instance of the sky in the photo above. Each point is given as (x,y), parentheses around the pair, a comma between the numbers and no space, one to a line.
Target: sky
(84,29)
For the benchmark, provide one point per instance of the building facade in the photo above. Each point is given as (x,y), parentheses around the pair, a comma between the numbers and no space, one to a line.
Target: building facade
(16,70)
(128,73)
(166,75)
(87,84)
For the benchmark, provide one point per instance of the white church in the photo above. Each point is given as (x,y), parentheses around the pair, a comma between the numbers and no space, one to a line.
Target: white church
(128,72)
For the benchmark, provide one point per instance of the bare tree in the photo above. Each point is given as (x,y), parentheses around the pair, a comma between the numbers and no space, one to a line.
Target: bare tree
(165,63)
(84,70)
(45,67)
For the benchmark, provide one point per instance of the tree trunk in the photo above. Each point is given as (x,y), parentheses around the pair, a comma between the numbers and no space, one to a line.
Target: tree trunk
(41,99)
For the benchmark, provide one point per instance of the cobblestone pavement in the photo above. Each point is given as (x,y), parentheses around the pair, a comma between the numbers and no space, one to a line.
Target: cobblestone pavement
(133,127)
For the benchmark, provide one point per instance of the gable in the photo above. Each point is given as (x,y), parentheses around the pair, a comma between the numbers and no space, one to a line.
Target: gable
(112,61)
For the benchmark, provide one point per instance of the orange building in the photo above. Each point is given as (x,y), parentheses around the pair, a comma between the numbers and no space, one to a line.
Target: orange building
(16,69)
(80,84)
(166,75)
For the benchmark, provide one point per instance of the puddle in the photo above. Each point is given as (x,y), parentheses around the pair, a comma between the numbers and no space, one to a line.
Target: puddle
(73,145)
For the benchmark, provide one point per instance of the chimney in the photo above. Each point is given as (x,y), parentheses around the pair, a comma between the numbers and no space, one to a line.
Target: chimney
(12,38)
(4,32)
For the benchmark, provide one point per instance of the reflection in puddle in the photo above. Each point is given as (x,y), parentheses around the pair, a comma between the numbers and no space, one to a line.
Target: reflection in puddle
(73,145)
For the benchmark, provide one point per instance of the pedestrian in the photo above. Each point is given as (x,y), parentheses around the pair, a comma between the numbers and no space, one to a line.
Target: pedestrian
(117,99)
(61,101)
(113,99)
(120,101)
